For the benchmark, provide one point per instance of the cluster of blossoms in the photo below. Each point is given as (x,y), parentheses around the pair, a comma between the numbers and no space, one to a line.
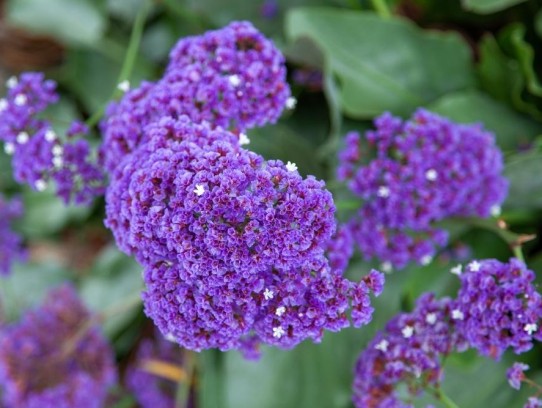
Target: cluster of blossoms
(496,308)
(426,169)
(39,155)
(409,351)
(11,248)
(150,390)
(499,307)
(516,375)
(232,78)
(232,245)
(46,360)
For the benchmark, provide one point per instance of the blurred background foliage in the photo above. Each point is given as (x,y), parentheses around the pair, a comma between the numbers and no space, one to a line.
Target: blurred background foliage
(471,60)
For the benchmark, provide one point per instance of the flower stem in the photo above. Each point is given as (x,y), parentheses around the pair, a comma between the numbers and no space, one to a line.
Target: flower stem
(518,253)
(381,7)
(129,60)
(442,397)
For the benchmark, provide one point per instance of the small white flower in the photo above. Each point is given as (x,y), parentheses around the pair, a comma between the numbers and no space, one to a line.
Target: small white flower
(457,270)
(199,190)
(383,191)
(431,175)
(475,266)
(58,161)
(426,259)
(170,337)
(50,135)
(382,345)
(12,82)
(268,294)
(40,185)
(9,148)
(22,138)
(280,311)
(407,331)
(530,328)
(235,80)
(194,76)
(3,105)
(495,210)
(431,318)
(291,102)
(457,314)
(57,150)
(124,86)
(291,166)
(278,332)
(20,100)
(386,266)
(243,139)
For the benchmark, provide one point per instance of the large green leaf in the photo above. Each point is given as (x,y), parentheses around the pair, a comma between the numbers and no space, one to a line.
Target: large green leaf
(74,22)
(511,128)
(523,171)
(489,6)
(383,64)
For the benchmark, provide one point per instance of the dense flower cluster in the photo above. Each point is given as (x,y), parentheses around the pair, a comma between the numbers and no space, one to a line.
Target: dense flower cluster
(232,78)
(11,248)
(149,389)
(233,245)
(408,351)
(39,155)
(426,169)
(498,307)
(46,360)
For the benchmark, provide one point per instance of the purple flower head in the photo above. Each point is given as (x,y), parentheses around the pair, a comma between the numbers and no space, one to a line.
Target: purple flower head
(46,361)
(239,310)
(515,374)
(39,156)
(533,402)
(426,169)
(498,307)
(339,248)
(149,389)
(197,198)
(11,245)
(232,78)
(408,351)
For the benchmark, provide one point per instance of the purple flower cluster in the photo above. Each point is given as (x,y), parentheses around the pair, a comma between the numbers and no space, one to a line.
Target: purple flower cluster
(11,248)
(233,246)
(426,169)
(47,361)
(152,391)
(498,307)
(232,78)
(408,351)
(39,156)
(516,375)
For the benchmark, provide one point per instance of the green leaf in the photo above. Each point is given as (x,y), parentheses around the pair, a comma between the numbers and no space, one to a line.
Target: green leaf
(73,22)
(523,172)
(489,6)
(511,128)
(383,64)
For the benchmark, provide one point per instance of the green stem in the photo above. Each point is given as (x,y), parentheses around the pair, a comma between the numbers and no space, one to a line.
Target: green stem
(129,60)
(381,7)
(518,253)
(446,401)
(183,390)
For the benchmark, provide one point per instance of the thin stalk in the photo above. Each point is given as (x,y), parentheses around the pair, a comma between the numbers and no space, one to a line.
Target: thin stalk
(442,397)
(381,8)
(129,59)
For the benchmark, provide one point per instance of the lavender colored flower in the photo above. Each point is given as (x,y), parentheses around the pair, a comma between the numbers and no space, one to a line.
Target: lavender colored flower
(533,402)
(408,351)
(515,374)
(150,390)
(278,307)
(39,155)
(11,248)
(498,307)
(232,78)
(340,248)
(426,169)
(46,361)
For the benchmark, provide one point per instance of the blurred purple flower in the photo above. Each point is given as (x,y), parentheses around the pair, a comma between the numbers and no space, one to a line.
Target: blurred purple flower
(515,374)
(11,244)
(46,360)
